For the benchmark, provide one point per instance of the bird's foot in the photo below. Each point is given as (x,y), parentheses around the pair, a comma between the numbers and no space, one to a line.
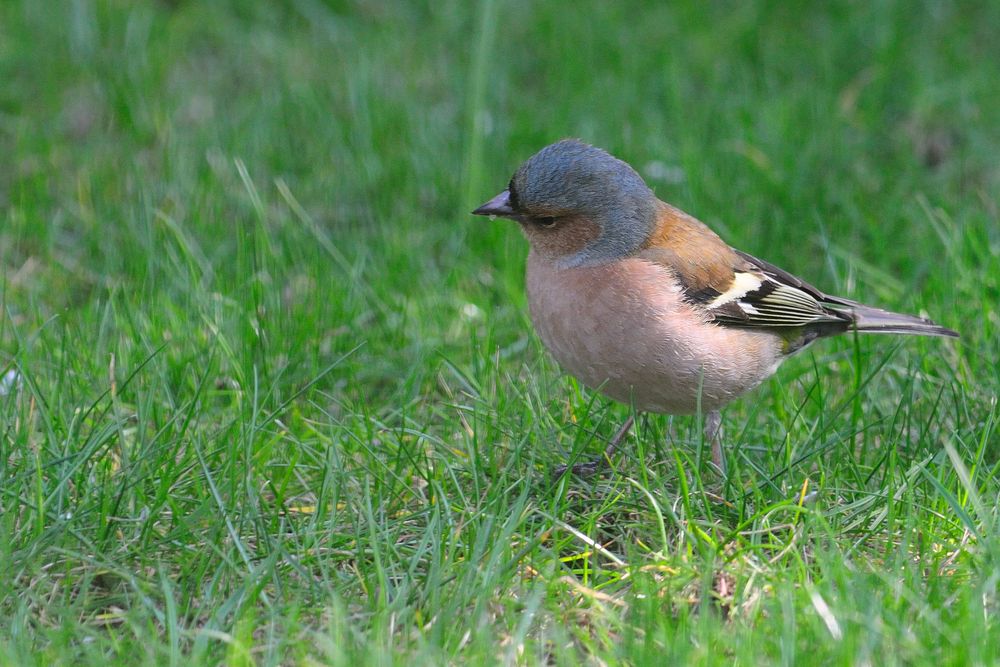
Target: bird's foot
(590,468)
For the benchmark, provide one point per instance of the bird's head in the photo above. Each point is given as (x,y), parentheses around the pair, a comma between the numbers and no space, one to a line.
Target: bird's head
(578,205)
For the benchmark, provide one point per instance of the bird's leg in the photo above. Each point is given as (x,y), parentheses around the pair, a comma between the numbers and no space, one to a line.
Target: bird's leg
(713,434)
(591,467)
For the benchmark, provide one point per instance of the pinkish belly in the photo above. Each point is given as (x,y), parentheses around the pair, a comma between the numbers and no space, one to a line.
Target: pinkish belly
(624,330)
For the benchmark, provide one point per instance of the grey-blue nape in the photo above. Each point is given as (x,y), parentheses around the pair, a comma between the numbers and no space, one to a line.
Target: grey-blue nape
(574,177)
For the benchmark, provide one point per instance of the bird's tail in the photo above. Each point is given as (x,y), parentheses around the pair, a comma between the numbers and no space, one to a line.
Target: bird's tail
(876,320)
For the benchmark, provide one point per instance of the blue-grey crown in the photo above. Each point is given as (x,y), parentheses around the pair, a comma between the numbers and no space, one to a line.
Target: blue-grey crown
(572,177)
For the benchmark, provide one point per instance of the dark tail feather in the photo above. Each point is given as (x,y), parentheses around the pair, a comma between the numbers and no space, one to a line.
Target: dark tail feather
(876,320)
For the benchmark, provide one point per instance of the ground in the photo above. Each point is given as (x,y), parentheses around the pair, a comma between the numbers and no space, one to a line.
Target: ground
(270,395)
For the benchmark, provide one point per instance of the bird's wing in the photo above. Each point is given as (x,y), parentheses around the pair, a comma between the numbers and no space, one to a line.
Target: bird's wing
(756,294)
(850,314)
(762,295)
(735,289)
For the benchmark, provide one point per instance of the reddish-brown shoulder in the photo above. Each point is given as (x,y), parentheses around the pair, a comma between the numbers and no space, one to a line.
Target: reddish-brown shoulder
(702,262)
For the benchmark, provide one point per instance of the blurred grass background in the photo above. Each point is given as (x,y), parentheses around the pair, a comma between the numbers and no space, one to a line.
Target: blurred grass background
(268,394)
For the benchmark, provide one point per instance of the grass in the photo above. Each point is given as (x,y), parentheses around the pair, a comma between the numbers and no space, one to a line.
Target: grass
(271,395)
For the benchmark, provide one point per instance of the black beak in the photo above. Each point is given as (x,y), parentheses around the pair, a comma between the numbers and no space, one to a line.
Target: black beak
(499,205)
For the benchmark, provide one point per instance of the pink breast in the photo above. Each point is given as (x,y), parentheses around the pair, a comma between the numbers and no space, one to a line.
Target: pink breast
(624,328)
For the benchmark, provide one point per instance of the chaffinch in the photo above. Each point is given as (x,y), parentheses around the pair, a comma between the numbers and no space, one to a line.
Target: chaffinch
(647,305)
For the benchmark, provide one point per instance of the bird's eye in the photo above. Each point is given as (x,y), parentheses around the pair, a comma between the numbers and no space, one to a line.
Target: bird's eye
(546,221)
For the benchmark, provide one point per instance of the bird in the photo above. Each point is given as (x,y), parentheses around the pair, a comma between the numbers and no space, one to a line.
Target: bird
(647,305)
